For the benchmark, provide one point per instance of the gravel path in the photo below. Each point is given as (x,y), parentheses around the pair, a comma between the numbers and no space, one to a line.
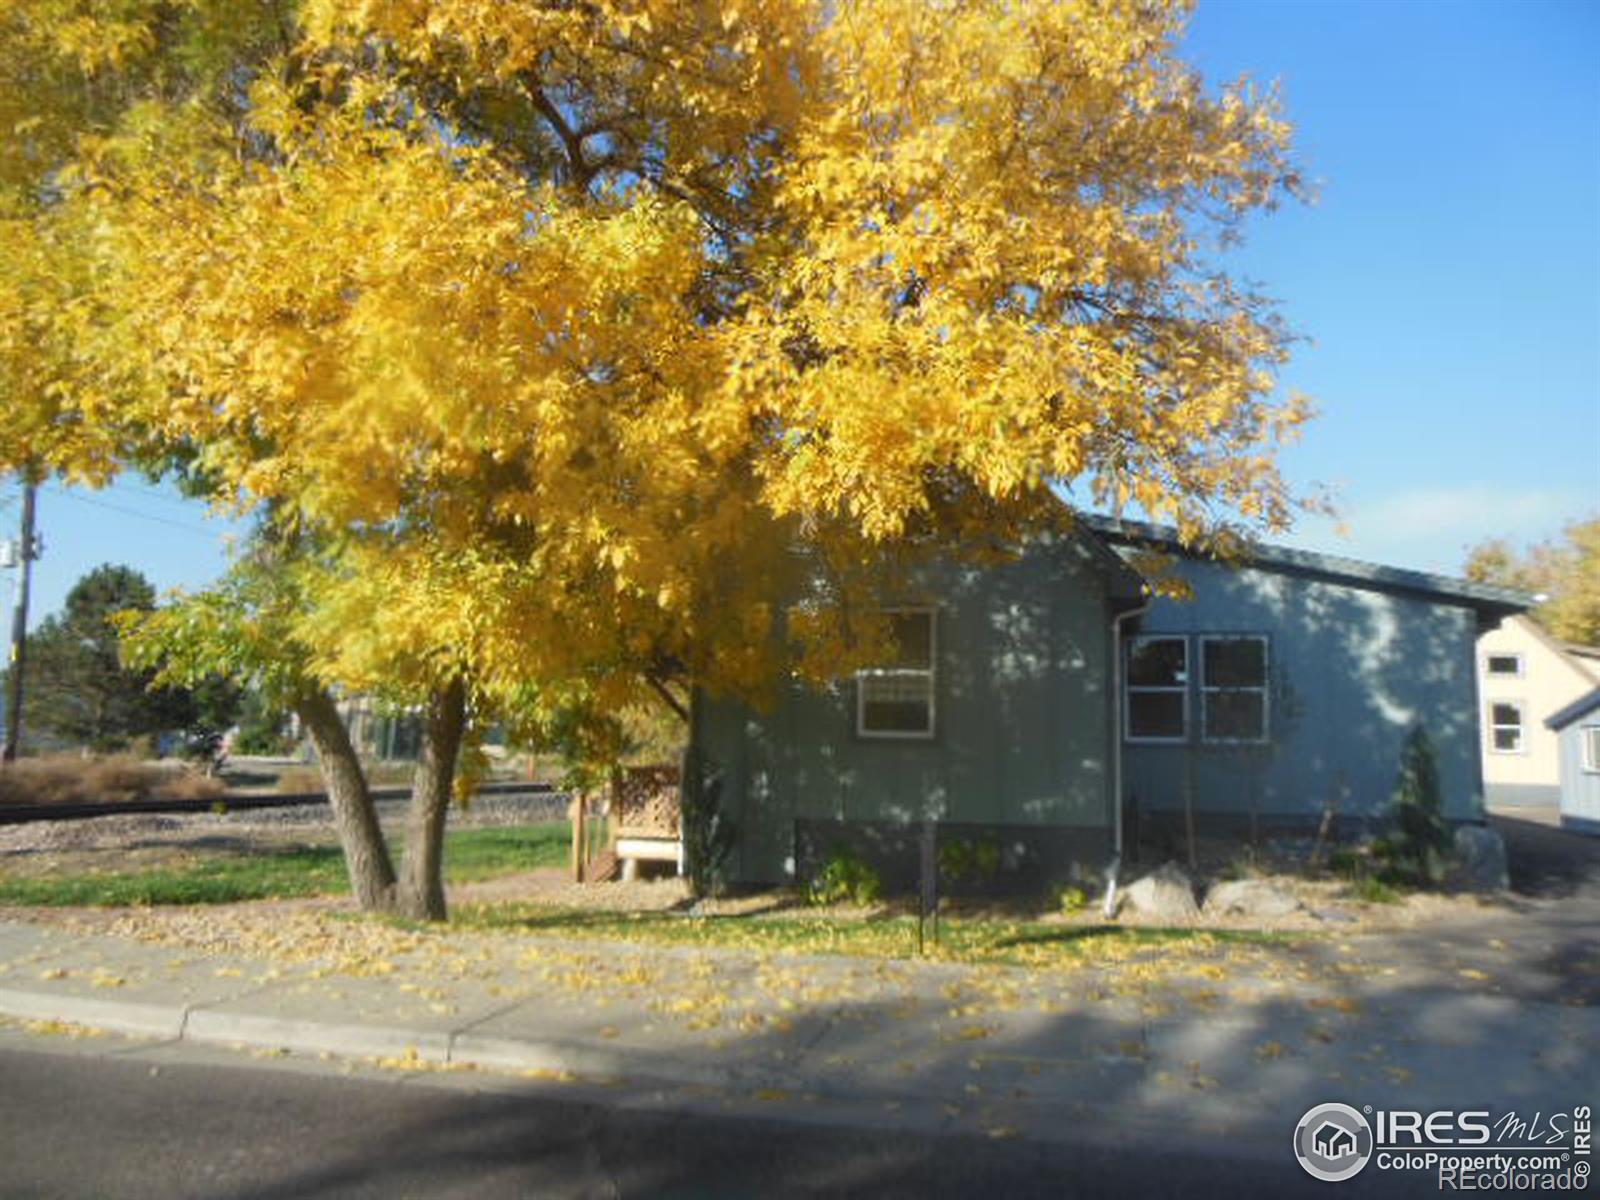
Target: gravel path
(267,826)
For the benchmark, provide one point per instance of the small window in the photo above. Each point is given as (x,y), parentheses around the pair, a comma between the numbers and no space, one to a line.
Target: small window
(1505,727)
(1504,666)
(896,700)
(1158,689)
(1591,747)
(1233,688)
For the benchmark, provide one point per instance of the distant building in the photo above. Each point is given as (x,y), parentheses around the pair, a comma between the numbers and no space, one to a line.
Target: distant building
(1577,731)
(1524,677)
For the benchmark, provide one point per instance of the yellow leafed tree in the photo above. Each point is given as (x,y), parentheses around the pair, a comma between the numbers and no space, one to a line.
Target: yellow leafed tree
(1565,570)
(559,346)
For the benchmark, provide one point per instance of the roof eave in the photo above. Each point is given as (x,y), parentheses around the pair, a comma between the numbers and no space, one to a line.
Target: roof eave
(1581,707)
(1487,599)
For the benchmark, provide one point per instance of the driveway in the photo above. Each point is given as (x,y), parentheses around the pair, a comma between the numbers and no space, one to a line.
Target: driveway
(1540,942)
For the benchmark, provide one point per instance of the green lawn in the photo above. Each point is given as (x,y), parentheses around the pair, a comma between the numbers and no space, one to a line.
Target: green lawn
(961,939)
(470,854)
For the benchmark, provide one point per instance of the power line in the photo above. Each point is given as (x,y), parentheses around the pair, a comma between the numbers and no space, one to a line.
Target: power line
(155,494)
(133,512)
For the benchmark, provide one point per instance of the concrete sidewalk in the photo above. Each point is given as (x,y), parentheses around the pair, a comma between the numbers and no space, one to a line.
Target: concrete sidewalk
(1233,1051)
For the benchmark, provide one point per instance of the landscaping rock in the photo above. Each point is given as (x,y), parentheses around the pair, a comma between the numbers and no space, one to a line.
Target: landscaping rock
(1165,893)
(1333,916)
(1250,898)
(1480,860)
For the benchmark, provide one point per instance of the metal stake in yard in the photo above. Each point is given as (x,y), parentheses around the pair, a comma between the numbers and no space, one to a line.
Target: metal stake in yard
(928,892)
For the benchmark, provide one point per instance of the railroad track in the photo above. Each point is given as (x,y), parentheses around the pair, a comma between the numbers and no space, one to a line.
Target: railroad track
(23,814)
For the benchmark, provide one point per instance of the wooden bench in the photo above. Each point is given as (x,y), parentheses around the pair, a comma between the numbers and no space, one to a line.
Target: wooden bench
(644,824)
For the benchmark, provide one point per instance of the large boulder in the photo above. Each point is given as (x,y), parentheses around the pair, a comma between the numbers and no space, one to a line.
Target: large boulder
(1250,898)
(1165,894)
(1479,862)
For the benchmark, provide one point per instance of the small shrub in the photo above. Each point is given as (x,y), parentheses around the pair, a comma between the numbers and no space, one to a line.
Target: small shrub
(263,728)
(1416,851)
(1371,890)
(300,779)
(382,774)
(70,779)
(190,785)
(970,861)
(1347,863)
(1364,869)
(845,878)
(1071,899)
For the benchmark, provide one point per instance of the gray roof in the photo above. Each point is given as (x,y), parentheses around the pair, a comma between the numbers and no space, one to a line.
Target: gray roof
(1580,707)
(1485,597)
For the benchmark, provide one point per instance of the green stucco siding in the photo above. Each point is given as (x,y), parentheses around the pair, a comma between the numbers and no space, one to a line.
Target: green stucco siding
(1022,724)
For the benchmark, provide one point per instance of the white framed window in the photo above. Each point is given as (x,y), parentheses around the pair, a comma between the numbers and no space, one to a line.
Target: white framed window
(896,699)
(1505,727)
(1590,736)
(1156,697)
(1503,666)
(1233,687)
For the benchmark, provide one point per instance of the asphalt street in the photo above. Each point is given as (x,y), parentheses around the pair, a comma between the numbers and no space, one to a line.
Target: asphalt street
(102,1123)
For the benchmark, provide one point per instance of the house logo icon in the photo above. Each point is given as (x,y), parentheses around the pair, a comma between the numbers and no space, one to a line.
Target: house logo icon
(1333,1142)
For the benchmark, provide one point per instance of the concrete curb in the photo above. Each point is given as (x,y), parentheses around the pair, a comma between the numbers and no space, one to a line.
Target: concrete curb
(315,1037)
(650,1079)
(119,1016)
(202,1024)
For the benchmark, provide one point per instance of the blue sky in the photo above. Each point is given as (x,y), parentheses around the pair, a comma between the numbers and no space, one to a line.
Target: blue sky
(1447,280)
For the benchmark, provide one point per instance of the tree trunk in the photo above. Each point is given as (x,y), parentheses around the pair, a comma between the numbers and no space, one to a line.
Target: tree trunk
(421,895)
(366,855)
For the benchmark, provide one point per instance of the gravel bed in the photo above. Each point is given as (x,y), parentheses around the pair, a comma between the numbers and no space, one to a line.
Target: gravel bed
(99,833)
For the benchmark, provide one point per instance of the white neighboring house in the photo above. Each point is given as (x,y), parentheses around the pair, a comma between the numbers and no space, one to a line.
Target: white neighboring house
(1524,677)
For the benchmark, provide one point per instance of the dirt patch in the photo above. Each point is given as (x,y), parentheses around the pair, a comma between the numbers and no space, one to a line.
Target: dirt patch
(1327,908)
(554,886)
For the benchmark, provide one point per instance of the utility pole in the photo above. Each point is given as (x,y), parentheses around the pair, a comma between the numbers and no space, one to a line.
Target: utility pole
(26,551)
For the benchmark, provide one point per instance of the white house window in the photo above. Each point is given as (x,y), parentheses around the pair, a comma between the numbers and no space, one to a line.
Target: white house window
(1233,688)
(1503,666)
(1158,689)
(1505,726)
(896,700)
(1591,747)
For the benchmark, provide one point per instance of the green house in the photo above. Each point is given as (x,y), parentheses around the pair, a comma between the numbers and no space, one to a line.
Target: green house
(1051,707)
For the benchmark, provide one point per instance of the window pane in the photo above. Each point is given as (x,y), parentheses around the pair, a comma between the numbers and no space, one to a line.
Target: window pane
(1235,662)
(1158,662)
(1155,714)
(897,703)
(1506,714)
(1591,749)
(1505,664)
(1236,716)
(912,634)
(1508,739)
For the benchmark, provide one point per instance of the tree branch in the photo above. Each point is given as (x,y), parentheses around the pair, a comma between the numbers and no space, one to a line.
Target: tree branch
(570,138)
(667,697)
